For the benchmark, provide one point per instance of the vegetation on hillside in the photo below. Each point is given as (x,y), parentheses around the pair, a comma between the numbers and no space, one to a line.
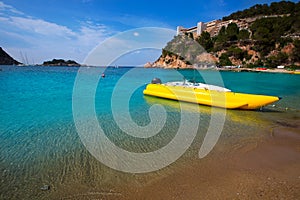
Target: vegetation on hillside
(60,62)
(275,8)
(267,38)
(183,47)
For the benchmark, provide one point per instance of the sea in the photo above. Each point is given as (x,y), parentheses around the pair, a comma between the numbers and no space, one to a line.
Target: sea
(47,114)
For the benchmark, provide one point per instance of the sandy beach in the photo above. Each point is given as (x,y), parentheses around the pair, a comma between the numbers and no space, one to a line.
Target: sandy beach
(265,169)
(268,169)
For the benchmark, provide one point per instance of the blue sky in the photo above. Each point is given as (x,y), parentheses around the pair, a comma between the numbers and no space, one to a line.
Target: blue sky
(45,29)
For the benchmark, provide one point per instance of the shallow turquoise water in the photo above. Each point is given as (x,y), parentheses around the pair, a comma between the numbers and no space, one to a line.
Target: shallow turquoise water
(40,144)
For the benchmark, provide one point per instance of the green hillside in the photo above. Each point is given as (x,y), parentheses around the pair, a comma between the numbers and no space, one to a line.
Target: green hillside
(271,40)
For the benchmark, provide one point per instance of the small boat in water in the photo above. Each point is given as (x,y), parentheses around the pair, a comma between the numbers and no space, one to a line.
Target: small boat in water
(295,72)
(206,94)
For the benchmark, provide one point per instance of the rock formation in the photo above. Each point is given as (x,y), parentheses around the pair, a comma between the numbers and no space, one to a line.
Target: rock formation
(6,59)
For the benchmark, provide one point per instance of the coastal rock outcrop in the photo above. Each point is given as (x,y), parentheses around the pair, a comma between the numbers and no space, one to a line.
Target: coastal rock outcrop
(270,38)
(6,59)
(170,61)
(174,61)
(60,62)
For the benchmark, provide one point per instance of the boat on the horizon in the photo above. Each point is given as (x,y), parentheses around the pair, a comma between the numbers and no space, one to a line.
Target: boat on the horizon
(205,94)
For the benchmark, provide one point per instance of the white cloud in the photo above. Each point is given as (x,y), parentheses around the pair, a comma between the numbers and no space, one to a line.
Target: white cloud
(4,19)
(43,40)
(89,34)
(41,27)
(4,7)
(126,43)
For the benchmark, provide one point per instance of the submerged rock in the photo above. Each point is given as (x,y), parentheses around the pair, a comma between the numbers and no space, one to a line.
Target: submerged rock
(45,187)
(286,124)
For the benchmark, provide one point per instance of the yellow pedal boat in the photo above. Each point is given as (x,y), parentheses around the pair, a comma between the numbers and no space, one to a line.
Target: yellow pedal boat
(206,94)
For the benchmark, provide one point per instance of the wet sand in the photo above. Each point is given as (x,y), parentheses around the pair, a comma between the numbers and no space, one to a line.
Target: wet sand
(268,169)
(260,169)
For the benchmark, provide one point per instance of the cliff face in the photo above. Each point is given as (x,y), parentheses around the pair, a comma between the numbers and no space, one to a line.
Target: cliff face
(6,59)
(170,61)
(183,52)
(242,54)
(270,37)
(174,62)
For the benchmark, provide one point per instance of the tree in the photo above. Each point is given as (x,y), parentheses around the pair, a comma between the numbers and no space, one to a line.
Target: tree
(232,31)
(296,51)
(224,60)
(222,35)
(205,41)
(243,34)
(274,61)
(237,53)
(271,29)
(261,34)
(276,8)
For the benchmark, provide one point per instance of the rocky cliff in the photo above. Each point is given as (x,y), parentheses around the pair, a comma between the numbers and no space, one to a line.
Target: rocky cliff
(6,59)
(249,53)
(174,61)
(271,39)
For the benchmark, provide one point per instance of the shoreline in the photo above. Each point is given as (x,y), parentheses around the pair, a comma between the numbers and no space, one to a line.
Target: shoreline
(259,70)
(267,169)
(285,71)
(267,70)
(263,167)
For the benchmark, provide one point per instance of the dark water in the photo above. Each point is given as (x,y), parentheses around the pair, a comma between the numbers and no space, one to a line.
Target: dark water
(41,146)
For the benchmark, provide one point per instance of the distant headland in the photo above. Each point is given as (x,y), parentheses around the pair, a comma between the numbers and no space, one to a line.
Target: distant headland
(6,59)
(61,62)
